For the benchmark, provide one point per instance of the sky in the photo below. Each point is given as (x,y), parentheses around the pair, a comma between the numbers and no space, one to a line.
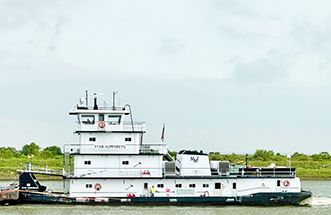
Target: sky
(229,76)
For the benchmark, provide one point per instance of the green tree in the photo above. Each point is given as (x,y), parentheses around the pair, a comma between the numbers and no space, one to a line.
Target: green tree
(301,157)
(31,149)
(263,155)
(8,152)
(52,151)
(321,156)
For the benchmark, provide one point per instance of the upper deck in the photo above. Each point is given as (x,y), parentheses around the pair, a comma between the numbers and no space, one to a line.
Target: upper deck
(109,130)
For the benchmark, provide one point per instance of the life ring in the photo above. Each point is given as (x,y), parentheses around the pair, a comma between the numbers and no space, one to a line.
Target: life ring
(131,195)
(146,172)
(97,186)
(102,124)
(286,183)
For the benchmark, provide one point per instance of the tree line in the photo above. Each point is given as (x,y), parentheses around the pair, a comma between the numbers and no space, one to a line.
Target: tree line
(34,150)
(30,150)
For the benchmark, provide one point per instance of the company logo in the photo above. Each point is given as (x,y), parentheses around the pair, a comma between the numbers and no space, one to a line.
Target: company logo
(195,160)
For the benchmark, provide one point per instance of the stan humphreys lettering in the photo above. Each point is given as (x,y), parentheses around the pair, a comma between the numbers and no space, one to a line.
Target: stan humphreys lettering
(109,146)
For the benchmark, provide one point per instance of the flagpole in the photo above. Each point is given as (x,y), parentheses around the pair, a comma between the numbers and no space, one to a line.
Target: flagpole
(162,134)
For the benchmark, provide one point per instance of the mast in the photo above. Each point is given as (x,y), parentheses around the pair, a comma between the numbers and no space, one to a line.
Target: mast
(114,94)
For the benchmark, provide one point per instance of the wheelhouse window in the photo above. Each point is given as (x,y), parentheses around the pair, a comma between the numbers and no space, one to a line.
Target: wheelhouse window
(92,139)
(114,120)
(101,117)
(88,119)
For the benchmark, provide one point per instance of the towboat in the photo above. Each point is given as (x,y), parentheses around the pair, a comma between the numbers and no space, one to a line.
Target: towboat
(112,165)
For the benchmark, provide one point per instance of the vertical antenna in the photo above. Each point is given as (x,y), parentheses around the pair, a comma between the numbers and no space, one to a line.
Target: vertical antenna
(95,101)
(86,97)
(114,94)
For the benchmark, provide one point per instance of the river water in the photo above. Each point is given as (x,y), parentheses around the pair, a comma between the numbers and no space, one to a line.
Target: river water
(321,204)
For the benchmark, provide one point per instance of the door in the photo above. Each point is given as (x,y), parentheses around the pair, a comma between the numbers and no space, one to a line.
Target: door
(145,191)
(218,189)
(234,188)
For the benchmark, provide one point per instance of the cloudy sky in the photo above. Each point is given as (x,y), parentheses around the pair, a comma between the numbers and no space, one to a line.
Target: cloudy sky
(228,76)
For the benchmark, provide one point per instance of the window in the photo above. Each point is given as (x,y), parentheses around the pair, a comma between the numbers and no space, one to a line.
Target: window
(101,117)
(125,162)
(87,162)
(88,185)
(217,186)
(192,185)
(128,139)
(145,186)
(178,185)
(205,185)
(114,120)
(278,183)
(92,139)
(234,186)
(160,185)
(88,119)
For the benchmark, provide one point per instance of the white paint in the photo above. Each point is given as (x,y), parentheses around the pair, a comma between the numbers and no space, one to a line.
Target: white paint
(107,164)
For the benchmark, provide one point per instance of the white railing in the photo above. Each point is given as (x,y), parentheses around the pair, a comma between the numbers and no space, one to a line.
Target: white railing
(111,126)
(153,149)
(42,170)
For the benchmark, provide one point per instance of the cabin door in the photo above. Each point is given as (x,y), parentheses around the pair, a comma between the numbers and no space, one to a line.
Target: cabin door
(145,191)
(234,188)
(218,189)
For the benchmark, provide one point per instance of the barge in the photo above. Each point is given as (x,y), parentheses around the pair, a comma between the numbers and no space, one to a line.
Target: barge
(112,165)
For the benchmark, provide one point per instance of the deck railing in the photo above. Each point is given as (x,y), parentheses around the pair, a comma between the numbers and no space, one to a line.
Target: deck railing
(111,126)
(42,170)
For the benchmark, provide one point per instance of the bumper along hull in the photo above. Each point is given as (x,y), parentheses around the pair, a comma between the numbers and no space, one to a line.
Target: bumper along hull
(258,199)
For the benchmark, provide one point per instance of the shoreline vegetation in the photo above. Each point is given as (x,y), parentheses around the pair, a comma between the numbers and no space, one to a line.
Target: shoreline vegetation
(316,166)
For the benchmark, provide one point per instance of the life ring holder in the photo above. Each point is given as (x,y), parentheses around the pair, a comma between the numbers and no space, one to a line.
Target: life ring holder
(97,186)
(286,183)
(102,124)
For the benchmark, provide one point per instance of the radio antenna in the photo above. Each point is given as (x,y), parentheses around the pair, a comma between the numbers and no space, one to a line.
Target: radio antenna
(86,98)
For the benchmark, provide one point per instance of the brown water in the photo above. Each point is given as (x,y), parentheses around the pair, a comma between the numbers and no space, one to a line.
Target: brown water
(321,204)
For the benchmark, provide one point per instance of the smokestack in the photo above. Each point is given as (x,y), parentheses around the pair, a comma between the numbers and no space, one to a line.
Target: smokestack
(95,107)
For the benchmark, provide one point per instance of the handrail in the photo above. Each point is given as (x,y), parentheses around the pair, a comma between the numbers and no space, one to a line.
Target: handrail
(107,121)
